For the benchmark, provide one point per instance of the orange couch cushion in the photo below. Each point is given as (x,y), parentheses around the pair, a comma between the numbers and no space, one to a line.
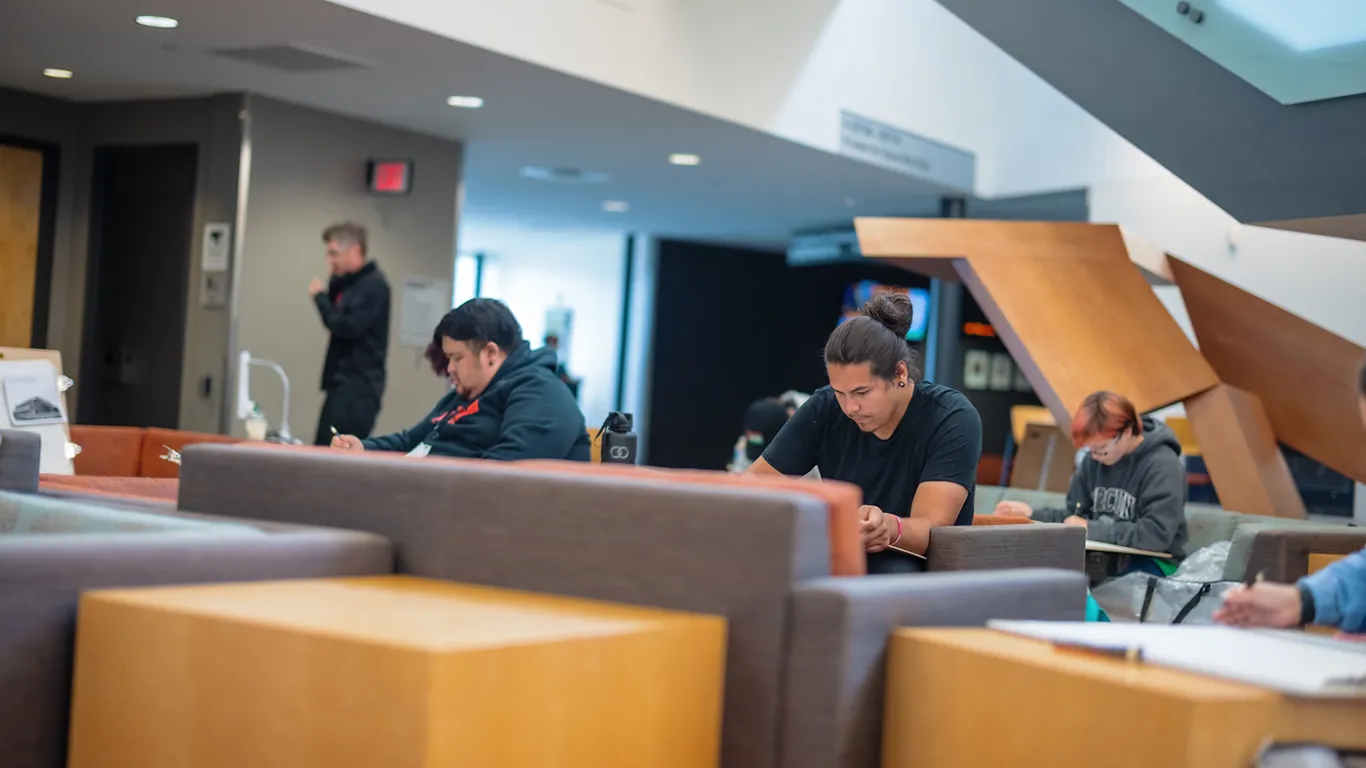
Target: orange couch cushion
(154,444)
(107,451)
(999,520)
(157,489)
(843,500)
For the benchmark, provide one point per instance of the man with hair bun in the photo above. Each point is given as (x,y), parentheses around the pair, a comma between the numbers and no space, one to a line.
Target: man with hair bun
(1130,489)
(910,445)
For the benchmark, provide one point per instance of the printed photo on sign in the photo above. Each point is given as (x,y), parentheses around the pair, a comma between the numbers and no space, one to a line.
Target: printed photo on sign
(33,399)
(976,369)
(1001,369)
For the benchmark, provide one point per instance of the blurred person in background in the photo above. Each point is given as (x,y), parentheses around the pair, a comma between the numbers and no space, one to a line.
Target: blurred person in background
(763,419)
(354,307)
(552,343)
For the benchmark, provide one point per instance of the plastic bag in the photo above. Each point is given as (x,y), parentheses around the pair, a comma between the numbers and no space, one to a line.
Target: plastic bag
(1206,564)
(1191,595)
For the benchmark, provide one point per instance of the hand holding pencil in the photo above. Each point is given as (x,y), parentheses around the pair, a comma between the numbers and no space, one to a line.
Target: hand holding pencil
(346,442)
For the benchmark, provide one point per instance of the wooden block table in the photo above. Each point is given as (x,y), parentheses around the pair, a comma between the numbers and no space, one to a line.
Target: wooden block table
(960,698)
(390,672)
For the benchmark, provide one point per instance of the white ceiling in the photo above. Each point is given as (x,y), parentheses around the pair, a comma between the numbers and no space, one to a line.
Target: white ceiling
(750,187)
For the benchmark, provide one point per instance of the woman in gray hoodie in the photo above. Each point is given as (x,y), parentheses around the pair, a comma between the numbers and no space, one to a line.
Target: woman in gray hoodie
(1130,489)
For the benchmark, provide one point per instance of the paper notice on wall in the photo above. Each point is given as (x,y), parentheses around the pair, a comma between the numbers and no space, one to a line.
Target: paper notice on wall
(976,369)
(422,304)
(33,402)
(1001,369)
(213,254)
(31,395)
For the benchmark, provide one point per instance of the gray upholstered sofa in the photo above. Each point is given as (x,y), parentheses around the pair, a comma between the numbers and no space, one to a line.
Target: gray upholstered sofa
(20,455)
(53,549)
(804,656)
(1278,548)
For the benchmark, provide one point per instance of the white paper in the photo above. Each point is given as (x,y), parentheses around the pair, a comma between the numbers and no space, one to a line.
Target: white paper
(31,397)
(422,304)
(213,254)
(1271,660)
(421,450)
(976,369)
(1002,367)
(53,433)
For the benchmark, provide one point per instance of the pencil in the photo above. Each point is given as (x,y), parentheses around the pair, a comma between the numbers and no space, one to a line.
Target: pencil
(1128,653)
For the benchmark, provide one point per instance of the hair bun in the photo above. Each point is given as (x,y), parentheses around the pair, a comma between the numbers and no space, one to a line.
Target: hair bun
(892,310)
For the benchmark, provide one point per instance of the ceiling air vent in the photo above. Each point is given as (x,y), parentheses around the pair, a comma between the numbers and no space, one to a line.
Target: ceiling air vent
(293,57)
(563,175)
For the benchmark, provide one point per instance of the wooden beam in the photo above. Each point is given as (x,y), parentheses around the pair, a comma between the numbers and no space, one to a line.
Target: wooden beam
(1241,454)
(1304,375)
(1071,307)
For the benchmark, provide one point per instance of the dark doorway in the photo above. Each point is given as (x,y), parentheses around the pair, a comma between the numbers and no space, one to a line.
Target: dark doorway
(141,238)
(731,326)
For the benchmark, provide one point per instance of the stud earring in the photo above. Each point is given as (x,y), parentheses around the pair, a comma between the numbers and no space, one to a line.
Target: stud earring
(901,384)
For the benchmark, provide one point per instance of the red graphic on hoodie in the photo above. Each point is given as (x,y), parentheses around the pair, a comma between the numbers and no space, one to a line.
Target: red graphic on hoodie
(450,417)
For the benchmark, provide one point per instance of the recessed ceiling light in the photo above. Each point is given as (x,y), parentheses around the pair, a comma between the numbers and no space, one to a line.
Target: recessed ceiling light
(60,74)
(684,159)
(465,102)
(158,22)
(616,206)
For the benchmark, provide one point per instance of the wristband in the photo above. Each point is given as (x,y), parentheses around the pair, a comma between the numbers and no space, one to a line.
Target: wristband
(897,518)
(1307,607)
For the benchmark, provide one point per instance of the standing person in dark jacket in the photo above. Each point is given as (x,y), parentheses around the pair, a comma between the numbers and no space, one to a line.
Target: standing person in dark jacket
(354,306)
(1130,489)
(507,402)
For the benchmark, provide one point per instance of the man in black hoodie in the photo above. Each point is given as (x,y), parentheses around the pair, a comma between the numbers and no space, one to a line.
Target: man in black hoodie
(1130,489)
(354,307)
(507,402)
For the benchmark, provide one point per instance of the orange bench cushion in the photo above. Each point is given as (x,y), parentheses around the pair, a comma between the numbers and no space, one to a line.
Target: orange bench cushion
(843,500)
(107,451)
(156,440)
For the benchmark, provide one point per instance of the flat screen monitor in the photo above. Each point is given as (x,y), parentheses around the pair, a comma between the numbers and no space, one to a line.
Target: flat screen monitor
(858,294)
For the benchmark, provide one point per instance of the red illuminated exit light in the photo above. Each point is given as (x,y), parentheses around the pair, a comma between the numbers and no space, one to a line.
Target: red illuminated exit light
(390,177)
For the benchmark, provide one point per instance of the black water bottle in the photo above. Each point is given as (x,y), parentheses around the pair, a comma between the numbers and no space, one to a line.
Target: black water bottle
(618,441)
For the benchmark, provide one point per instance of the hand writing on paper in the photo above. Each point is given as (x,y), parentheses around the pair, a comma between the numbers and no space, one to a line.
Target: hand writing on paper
(1261,605)
(877,527)
(347,443)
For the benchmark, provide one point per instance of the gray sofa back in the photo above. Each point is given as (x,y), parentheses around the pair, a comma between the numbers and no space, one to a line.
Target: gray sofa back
(840,629)
(20,460)
(43,574)
(732,551)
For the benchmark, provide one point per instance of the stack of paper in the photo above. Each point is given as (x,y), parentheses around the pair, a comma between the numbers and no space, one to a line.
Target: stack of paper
(1296,664)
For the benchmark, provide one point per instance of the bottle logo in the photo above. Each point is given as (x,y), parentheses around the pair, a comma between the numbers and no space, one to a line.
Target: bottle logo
(619,452)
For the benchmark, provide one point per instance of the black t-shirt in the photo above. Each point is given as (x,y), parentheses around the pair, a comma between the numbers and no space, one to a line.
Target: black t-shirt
(939,439)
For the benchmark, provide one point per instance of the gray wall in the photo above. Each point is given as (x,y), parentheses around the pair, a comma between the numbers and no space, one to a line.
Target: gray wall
(307,171)
(214,126)
(77,129)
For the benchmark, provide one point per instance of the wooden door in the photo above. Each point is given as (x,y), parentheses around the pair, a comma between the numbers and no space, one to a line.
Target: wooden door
(21,198)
